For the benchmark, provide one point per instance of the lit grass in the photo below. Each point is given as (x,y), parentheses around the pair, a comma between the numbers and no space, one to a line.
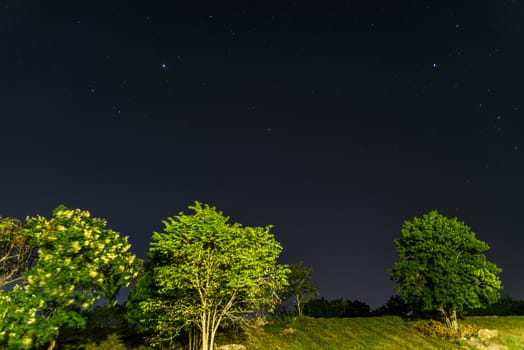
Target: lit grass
(511,329)
(372,333)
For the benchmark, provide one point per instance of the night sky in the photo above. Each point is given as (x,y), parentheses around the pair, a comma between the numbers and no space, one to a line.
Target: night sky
(335,121)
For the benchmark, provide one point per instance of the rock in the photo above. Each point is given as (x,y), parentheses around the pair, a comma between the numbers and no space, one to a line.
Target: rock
(232,347)
(488,333)
(288,330)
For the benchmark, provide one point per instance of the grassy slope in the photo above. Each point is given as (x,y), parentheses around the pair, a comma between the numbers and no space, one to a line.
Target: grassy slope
(373,333)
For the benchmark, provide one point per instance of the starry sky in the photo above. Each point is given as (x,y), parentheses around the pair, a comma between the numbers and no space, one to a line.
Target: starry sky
(334,120)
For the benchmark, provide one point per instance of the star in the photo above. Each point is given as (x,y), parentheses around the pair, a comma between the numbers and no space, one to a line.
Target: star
(163,66)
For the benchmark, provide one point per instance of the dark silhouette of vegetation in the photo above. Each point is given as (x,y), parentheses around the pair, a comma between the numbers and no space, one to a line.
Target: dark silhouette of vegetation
(105,325)
(300,289)
(395,306)
(506,306)
(337,308)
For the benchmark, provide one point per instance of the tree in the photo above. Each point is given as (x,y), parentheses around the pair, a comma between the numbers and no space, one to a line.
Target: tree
(204,271)
(441,266)
(336,308)
(78,262)
(300,286)
(16,254)
(356,308)
(395,306)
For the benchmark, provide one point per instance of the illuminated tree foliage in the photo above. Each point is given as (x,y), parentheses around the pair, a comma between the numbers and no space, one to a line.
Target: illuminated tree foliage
(16,253)
(79,261)
(441,267)
(204,271)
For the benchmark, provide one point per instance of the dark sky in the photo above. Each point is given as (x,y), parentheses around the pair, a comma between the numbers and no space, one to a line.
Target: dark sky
(335,121)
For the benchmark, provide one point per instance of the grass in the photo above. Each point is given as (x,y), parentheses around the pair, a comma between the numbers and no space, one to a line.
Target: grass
(384,333)
(376,333)
(511,329)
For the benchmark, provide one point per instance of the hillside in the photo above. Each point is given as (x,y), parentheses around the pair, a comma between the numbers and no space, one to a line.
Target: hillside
(377,333)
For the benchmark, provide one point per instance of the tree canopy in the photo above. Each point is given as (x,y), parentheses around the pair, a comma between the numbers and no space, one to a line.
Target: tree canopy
(79,261)
(300,286)
(16,252)
(441,266)
(204,271)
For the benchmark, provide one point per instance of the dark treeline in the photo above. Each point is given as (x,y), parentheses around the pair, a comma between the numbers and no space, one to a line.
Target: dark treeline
(395,306)
(336,308)
(506,306)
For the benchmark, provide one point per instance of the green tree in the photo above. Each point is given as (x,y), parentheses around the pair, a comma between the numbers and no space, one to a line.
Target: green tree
(300,286)
(442,267)
(16,253)
(204,271)
(79,261)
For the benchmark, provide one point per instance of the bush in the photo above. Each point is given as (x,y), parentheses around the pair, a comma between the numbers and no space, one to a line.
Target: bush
(436,329)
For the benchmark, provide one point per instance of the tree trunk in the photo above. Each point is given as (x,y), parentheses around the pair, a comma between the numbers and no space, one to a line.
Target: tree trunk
(52,344)
(205,333)
(299,305)
(194,341)
(450,317)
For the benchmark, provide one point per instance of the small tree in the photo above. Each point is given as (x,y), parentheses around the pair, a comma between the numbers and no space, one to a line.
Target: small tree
(202,272)
(441,266)
(16,253)
(300,286)
(78,262)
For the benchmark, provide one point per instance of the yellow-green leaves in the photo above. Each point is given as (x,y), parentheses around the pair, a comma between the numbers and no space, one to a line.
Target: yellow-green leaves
(204,268)
(16,251)
(79,261)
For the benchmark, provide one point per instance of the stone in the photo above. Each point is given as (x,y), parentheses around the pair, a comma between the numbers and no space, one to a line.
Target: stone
(488,333)
(232,347)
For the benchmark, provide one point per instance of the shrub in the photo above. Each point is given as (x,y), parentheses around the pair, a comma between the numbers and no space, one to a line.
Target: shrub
(438,329)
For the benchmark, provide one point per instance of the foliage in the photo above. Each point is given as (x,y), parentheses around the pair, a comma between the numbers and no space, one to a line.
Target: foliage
(78,262)
(204,271)
(300,286)
(432,328)
(336,308)
(16,253)
(106,328)
(506,306)
(395,306)
(441,266)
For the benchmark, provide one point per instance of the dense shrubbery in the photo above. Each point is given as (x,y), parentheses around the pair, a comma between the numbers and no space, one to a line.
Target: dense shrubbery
(106,328)
(432,328)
